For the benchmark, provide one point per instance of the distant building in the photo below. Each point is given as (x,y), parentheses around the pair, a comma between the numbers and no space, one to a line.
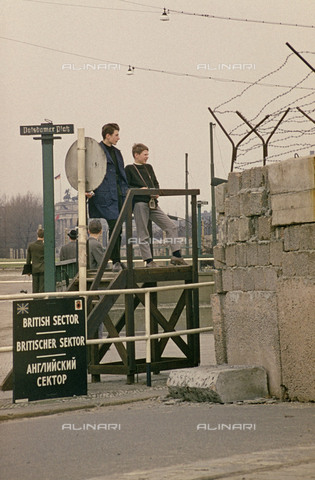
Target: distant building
(66,218)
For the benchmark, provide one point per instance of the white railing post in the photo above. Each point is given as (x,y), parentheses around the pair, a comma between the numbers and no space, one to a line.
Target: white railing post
(147,309)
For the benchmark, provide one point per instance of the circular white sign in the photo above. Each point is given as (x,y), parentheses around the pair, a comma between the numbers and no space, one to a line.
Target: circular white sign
(95,164)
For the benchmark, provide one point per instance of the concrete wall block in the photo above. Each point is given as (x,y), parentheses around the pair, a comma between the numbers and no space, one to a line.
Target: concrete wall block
(232,206)
(293,208)
(243,279)
(230,255)
(222,230)
(246,179)
(307,239)
(263,253)
(252,253)
(299,237)
(219,256)
(264,278)
(248,280)
(227,280)
(252,335)
(296,313)
(276,251)
(311,264)
(218,281)
(241,255)
(245,229)
(295,264)
(258,177)
(234,183)
(264,228)
(259,279)
(292,175)
(271,278)
(238,278)
(292,238)
(217,309)
(258,202)
(245,198)
(277,233)
(220,195)
(253,202)
(232,230)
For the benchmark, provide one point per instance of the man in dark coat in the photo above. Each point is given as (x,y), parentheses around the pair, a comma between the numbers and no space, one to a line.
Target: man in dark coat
(35,256)
(69,250)
(106,201)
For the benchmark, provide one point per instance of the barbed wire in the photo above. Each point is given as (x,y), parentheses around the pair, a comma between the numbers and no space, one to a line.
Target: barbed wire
(278,97)
(274,144)
(273,114)
(273,72)
(271,158)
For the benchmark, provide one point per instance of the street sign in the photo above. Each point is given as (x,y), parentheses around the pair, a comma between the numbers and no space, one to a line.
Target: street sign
(49,349)
(95,164)
(47,132)
(46,129)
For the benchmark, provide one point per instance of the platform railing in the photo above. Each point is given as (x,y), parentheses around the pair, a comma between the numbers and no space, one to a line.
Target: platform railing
(147,337)
(126,216)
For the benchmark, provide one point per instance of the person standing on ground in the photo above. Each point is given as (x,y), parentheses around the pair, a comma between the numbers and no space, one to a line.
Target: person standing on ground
(35,257)
(69,250)
(141,175)
(95,253)
(106,200)
(95,249)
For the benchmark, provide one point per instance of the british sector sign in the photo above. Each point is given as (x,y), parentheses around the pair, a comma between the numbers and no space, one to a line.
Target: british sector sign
(49,349)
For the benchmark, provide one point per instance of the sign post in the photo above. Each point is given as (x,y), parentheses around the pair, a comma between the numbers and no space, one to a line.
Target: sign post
(49,349)
(82,210)
(85,167)
(47,132)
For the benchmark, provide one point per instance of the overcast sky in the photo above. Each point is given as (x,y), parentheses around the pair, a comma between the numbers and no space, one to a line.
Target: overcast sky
(80,78)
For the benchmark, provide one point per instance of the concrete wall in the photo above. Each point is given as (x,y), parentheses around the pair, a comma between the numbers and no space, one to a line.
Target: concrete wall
(264,306)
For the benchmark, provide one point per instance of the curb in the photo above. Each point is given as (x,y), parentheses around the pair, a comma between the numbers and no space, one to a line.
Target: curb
(41,412)
(100,395)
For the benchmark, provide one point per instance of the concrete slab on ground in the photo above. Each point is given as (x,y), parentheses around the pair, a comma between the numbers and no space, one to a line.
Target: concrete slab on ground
(218,383)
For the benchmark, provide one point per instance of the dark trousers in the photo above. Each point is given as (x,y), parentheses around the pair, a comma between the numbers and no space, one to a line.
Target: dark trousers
(38,282)
(115,255)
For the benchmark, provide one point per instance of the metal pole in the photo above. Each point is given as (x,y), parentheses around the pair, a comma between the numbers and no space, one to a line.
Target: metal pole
(186,204)
(199,227)
(213,212)
(300,56)
(81,210)
(49,212)
(195,293)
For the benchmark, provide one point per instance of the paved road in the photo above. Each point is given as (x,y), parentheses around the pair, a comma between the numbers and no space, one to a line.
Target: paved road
(11,282)
(148,436)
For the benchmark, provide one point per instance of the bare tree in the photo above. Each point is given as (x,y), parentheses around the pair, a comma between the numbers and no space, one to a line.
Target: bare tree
(19,219)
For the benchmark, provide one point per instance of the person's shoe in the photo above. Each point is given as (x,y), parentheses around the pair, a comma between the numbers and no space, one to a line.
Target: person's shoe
(152,265)
(117,267)
(178,261)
